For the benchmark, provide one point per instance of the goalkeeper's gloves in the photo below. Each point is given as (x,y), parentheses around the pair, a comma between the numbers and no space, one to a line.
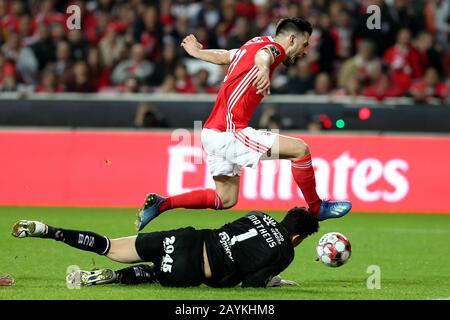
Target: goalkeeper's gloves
(278,282)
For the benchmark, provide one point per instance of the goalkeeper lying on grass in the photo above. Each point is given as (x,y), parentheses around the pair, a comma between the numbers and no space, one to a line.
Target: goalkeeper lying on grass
(251,250)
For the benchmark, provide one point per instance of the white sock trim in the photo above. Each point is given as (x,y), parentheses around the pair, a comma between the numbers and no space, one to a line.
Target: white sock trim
(41,228)
(108,245)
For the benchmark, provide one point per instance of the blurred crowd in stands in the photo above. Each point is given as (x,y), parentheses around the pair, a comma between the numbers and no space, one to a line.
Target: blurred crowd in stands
(133,46)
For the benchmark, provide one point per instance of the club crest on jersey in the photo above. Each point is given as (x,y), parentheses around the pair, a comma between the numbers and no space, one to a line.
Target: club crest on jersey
(275,51)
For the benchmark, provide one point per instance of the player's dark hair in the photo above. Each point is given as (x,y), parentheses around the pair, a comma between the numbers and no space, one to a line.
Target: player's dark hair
(293,25)
(299,221)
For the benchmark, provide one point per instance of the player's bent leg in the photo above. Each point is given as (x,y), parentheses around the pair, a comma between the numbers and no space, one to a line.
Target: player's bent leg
(124,250)
(289,148)
(298,152)
(141,273)
(227,187)
(82,240)
(198,199)
(137,274)
(155,205)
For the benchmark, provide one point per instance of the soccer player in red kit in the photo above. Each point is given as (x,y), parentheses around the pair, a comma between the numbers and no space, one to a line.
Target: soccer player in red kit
(228,140)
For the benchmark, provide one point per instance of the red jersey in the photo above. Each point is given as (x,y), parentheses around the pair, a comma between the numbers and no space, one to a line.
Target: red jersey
(237,99)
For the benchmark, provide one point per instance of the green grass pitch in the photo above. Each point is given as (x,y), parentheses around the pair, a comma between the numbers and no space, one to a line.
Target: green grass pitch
(411,250)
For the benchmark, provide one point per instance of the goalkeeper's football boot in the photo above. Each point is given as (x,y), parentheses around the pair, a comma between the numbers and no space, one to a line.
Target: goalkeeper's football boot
(333,209)
(26,228)
(90,278)
(149,211)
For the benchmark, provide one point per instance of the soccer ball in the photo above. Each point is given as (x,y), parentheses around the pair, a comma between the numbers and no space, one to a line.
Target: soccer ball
(333,249)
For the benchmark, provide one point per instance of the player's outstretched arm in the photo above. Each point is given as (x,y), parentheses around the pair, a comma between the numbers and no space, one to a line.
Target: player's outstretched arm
(195,49)
(261,278)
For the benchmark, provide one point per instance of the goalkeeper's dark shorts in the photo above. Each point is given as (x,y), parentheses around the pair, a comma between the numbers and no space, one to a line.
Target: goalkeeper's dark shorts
(177,255)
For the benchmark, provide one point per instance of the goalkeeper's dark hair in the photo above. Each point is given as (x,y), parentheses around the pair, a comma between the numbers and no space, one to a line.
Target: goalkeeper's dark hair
(299,221)
(298,25)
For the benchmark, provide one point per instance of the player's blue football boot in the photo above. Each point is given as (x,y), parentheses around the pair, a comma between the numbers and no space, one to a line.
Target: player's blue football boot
(333,209)
(149,211)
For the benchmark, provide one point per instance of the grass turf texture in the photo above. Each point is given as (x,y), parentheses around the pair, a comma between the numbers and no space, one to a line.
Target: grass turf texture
(412,252)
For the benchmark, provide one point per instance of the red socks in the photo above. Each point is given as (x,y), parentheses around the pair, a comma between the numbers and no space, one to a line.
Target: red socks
(197,199)
(303,173)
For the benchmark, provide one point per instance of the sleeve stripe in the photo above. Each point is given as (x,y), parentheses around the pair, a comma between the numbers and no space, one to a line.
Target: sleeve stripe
(232,53)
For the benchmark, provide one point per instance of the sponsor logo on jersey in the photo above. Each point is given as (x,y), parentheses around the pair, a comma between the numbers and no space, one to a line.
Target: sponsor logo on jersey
(225,241)
(277,234)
